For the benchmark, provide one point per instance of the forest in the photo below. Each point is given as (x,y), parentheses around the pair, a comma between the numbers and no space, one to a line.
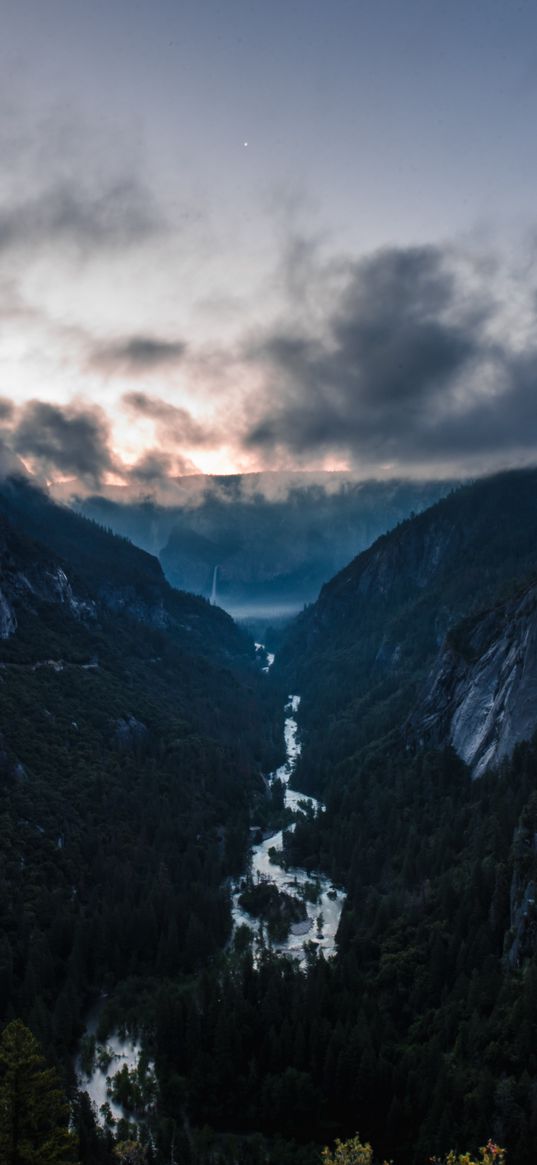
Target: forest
(131,774)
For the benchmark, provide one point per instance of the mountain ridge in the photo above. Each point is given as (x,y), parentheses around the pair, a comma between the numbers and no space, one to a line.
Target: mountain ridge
(119,574)
(135,725)
(274,538)
(361,655)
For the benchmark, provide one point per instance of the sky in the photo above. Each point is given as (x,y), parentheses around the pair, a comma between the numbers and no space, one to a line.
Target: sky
(242,236)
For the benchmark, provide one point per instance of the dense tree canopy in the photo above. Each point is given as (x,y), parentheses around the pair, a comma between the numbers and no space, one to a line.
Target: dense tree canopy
(34,1115)
(130,766)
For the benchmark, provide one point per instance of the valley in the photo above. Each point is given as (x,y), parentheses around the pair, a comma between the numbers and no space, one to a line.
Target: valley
(299,914)
(262,545)
(101,1063)
(268,582)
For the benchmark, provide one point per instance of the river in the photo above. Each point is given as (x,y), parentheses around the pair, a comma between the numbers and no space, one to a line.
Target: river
(317,932)
(320,928)
(95,1071)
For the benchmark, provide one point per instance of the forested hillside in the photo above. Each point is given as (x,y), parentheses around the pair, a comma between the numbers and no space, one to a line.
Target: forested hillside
(134,729)
(120,575)
(420,1032)
(361,654)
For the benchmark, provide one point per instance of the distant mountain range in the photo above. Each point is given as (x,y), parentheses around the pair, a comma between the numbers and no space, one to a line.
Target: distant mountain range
(263,545)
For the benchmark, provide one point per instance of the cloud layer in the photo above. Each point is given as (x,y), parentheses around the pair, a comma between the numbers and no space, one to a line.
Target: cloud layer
(411,360)
(114,214)
(409,364)
(70,440)
(136,355)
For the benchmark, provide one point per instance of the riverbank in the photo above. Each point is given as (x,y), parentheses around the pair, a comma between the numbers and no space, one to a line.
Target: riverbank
(322,899)
(114,1069)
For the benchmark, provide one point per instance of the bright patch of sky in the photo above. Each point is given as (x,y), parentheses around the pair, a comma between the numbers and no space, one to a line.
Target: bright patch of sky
(190,191)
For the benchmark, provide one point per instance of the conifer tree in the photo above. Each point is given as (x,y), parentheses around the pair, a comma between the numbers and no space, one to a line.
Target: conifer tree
(34,1114)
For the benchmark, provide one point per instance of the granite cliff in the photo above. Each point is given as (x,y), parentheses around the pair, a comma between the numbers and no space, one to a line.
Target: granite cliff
(481,694)
(383,647)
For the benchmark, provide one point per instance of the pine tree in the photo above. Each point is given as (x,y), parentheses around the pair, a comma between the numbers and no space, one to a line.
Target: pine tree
(130,1153)
(353,1152)
(34,1114)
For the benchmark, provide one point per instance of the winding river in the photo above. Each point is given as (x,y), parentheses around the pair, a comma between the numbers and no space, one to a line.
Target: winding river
(115,1053)
(320,927)
(317,931)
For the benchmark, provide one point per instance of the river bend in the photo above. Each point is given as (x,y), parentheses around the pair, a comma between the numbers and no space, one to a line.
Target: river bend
(320,927)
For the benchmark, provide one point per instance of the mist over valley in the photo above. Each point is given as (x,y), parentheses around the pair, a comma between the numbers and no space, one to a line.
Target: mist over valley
(262,546)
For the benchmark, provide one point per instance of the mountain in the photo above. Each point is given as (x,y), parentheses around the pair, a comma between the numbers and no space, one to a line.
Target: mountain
(421,1032)
(133,730)
(124,578)
(361,655)
(264,544)
(135,725)
(481,694)
(417,668)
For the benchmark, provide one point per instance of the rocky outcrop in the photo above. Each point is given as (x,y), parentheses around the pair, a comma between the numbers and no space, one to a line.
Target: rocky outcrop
(416,557)
(8,619)
(46,582)
(50,554)
(130,733)
(128,601)
(481,695)
(54,586)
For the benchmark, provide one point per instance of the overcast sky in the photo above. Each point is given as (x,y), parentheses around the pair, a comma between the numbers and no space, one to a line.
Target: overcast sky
(243,235)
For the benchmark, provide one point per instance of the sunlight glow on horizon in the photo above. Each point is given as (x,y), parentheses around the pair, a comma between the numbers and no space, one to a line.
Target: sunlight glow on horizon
(173,238)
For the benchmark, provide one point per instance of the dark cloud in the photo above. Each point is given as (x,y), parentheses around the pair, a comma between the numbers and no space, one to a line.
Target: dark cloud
(137,355)
(7,409)
(413,360)
(174,425)
(73,440)
(499,421)
(156,468)
(120,213)
(400,368)
(152,467)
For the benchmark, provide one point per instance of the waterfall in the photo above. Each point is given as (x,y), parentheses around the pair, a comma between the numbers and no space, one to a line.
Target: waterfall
(213,588)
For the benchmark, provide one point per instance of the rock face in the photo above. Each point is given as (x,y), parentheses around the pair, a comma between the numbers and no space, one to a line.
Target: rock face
(125,599)
(50,554)
(8,619)
(387,628)
(416,557)
(130,733)
(481,696)
(26,581)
